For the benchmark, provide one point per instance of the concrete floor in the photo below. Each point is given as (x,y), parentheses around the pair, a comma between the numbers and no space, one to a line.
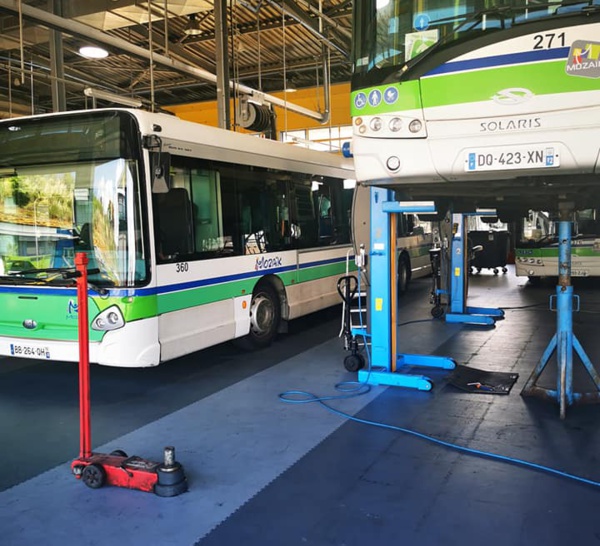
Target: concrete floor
(262,472)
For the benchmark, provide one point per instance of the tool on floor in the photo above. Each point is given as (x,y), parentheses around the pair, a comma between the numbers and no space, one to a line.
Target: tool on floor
(166,479)
(476,381)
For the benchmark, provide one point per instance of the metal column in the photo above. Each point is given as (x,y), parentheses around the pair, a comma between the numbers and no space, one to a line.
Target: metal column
(564,340)
(222,62)
(57,68)
(385,361)
(458,289)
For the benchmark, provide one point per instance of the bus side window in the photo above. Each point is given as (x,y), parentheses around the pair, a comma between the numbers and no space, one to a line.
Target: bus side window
(208,220)
(174,213)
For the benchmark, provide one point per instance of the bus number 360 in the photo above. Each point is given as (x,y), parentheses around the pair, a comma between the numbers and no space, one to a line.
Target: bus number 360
(182,267)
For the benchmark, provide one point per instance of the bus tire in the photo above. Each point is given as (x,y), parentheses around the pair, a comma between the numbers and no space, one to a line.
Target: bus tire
(403,274)
(265,316)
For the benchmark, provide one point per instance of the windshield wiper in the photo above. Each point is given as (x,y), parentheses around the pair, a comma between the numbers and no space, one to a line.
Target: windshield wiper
(68,274)
(72,274)
(15,280)
(33,271)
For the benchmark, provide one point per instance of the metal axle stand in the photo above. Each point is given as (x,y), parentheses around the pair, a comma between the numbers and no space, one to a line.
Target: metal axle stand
(459,264)
(383,301)
(564,340)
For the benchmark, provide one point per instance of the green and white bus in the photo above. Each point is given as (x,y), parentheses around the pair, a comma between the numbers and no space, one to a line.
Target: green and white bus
(482,103)
(536,251)
(195,235)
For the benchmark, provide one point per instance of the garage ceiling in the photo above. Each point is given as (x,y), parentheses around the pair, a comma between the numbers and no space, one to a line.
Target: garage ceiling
(271,45)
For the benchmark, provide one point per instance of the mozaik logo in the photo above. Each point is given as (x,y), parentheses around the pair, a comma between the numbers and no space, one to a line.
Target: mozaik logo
(268,263)
(584,59)
(72,309)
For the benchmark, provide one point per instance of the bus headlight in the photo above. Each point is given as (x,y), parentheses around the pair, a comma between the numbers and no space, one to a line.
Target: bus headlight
(395,125)
(415,126)
(376,124)
(109,319)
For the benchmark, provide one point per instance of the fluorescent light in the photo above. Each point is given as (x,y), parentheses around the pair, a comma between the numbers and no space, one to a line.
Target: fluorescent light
(93,52)
(349,184)
(111,97)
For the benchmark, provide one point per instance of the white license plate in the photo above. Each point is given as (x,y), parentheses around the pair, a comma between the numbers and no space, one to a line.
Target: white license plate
(512,157)
(23,350)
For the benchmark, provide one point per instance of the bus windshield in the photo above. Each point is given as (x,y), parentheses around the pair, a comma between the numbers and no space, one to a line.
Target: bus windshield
(390,33)
(66,189)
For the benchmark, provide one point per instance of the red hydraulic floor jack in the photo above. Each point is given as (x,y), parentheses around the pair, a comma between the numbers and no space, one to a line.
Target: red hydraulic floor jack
(166,479)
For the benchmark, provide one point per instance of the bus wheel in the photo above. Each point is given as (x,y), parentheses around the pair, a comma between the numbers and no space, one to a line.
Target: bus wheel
(403,274)
(265,315)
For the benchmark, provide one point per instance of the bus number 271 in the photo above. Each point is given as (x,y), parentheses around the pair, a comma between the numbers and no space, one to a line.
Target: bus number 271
(546,41)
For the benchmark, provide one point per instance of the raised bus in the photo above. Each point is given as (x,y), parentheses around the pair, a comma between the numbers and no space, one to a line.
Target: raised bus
(194,235)
(482,103)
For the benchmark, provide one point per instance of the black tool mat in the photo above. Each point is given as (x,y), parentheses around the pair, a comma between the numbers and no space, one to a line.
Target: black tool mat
(481,381)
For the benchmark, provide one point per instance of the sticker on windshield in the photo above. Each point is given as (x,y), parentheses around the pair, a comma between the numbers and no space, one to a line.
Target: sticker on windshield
(417,42)
(421,21)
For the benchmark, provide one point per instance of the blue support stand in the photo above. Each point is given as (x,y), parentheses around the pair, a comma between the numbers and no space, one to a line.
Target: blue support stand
(564,340)
(459,268)
(385,361)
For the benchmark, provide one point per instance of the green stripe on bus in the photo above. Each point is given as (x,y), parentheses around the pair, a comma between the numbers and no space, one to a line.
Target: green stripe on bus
(481,85)
(200,296)
(313,273)
(477,86)
(553,252)
(52,310)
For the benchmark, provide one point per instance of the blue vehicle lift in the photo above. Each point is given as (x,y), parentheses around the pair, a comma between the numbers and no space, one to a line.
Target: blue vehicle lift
(387,366)
(564,340)
(459,311)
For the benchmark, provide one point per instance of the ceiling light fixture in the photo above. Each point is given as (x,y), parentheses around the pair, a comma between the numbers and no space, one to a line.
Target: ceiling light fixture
(193,26)
(93,52)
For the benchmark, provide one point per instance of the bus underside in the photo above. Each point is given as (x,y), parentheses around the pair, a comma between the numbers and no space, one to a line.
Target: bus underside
(500,108)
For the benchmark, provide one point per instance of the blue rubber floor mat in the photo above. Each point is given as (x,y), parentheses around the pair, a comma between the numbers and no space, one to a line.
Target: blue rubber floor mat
(481,381)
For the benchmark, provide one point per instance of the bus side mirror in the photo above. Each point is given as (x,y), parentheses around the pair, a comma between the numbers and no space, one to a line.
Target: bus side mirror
(161,169)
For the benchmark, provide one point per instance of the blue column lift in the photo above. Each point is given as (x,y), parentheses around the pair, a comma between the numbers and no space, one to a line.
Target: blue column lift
(564,340)
(386,363)
(459,311)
